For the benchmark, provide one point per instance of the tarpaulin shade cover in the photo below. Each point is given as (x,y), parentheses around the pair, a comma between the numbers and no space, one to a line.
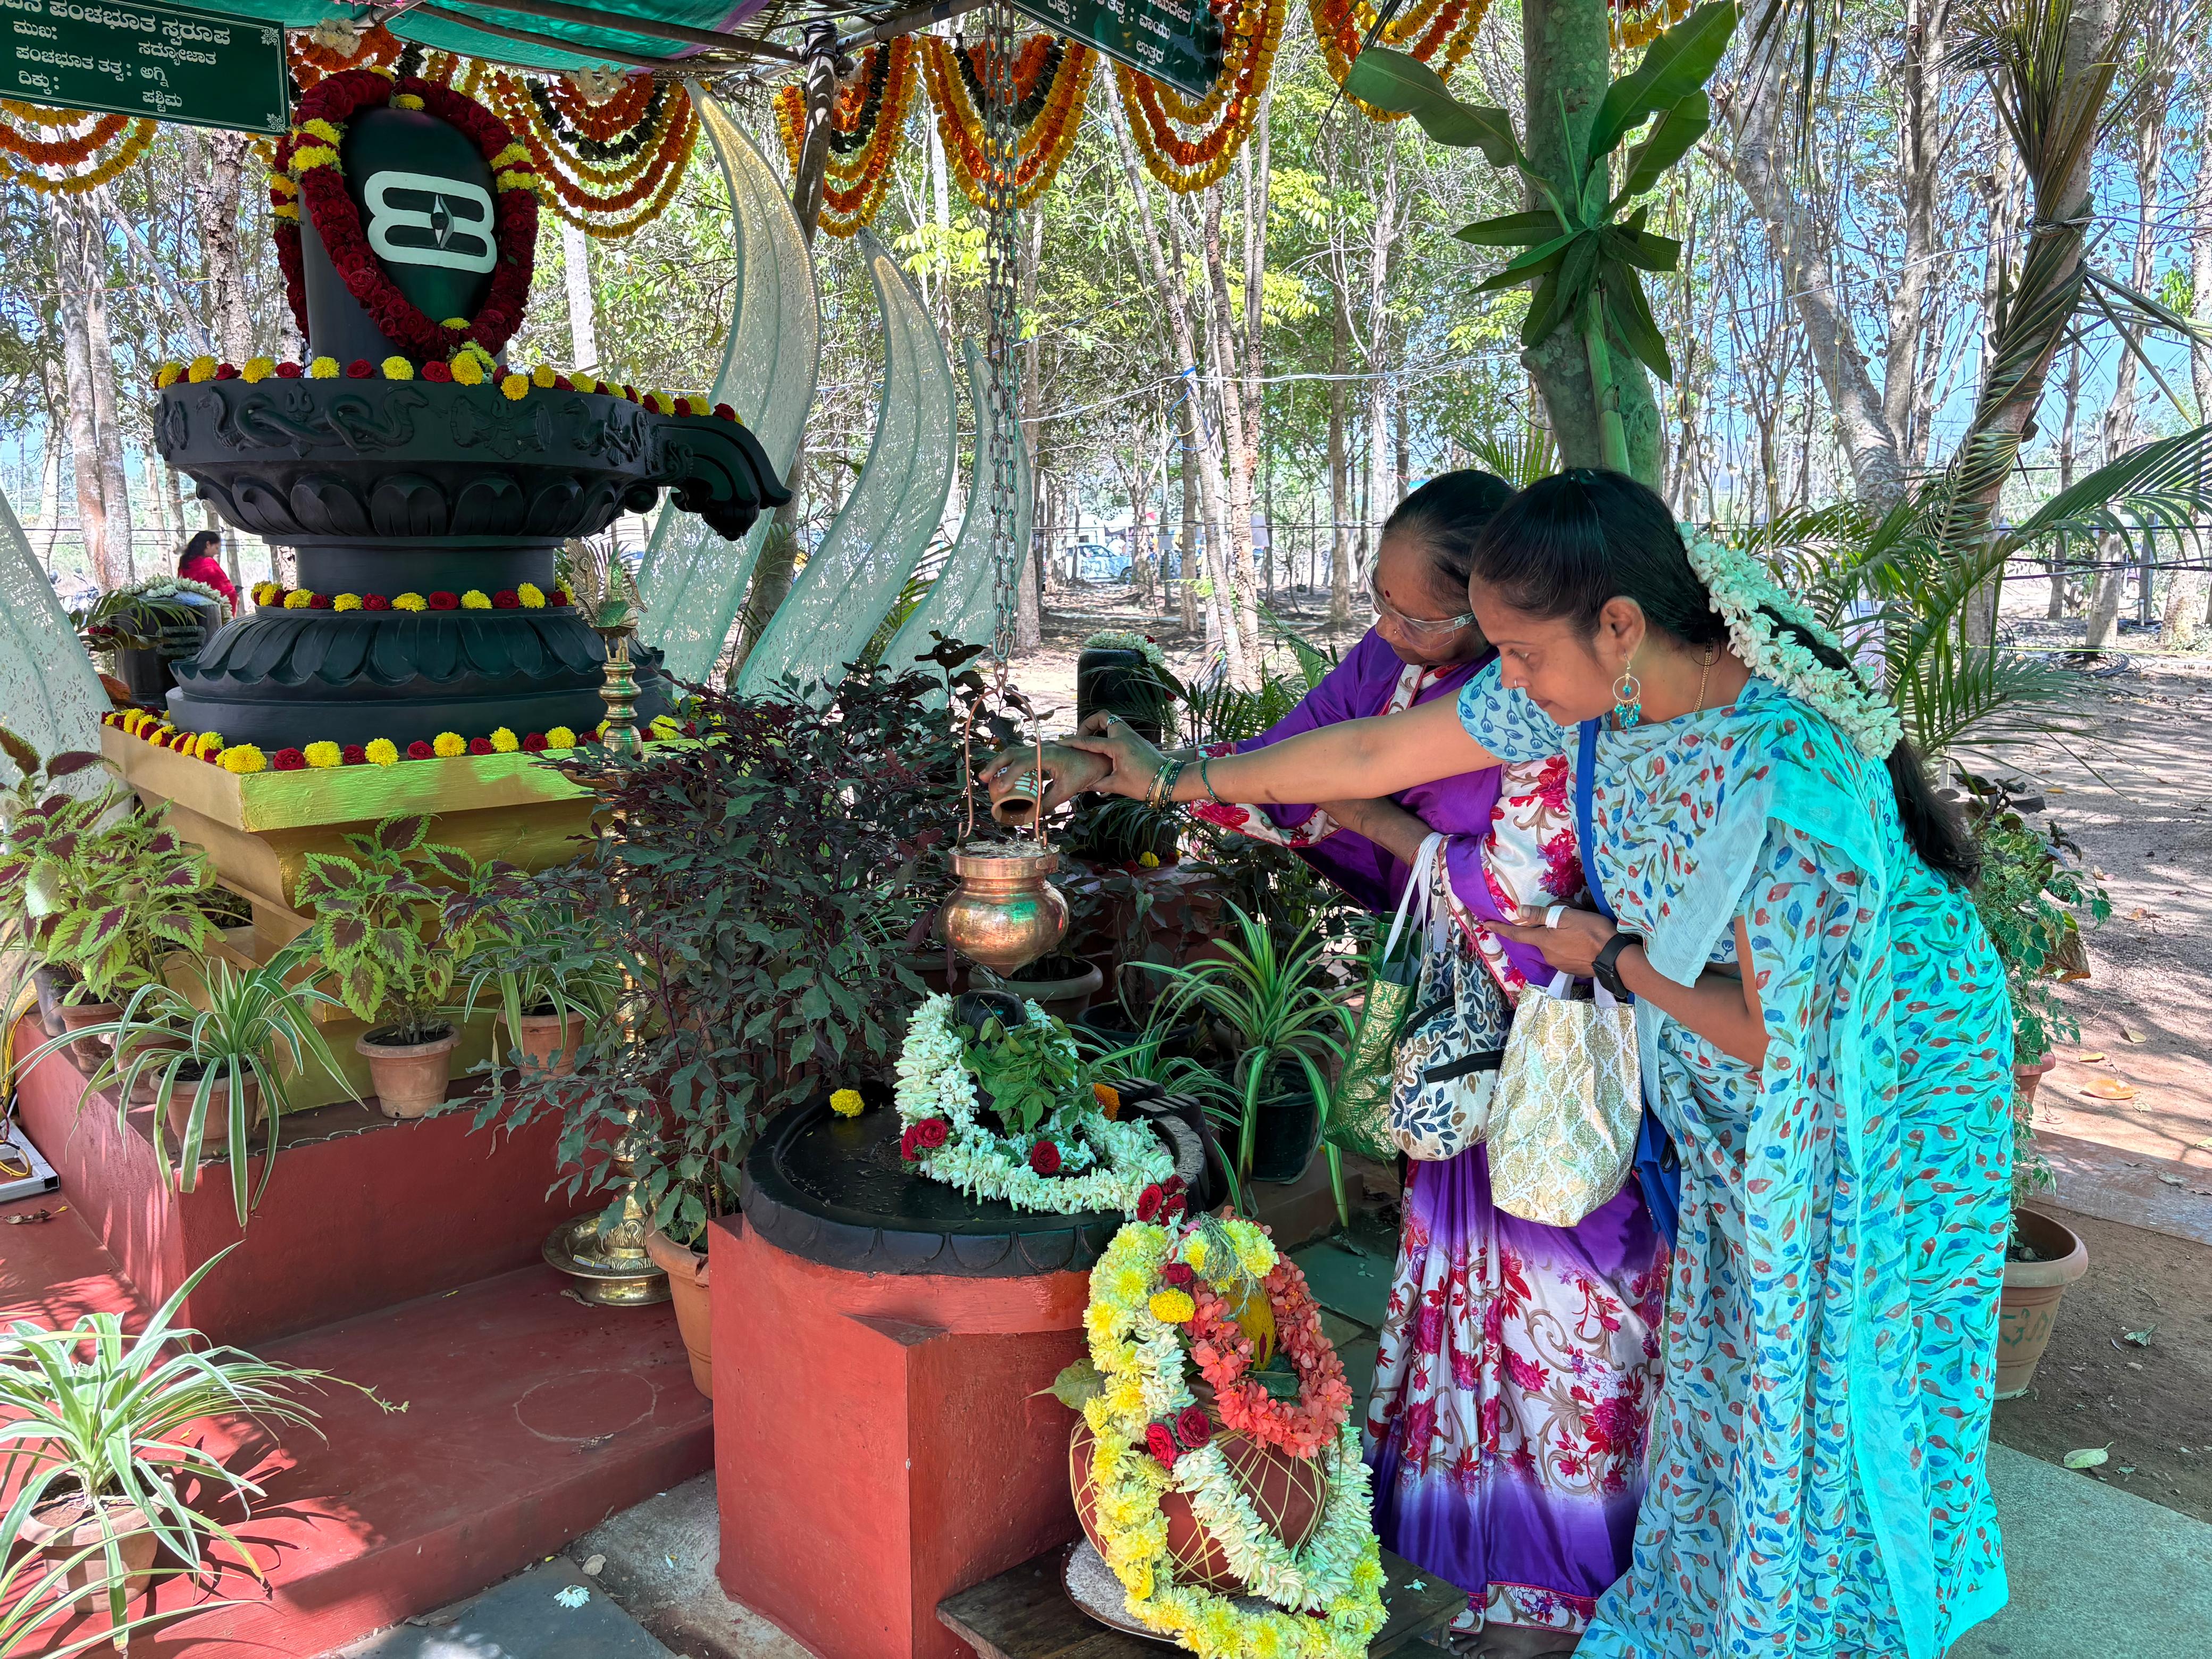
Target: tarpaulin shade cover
(591,41)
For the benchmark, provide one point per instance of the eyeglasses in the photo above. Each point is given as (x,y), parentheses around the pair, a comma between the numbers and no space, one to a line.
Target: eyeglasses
(1419,627)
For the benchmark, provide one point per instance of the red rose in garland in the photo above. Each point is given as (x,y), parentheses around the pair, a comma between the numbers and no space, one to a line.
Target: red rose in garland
(445,600)
(1159,1440)
(480,745)
(376,602)
(419,750)
(308,156)
(353,754)
(287,760)
(1044,1158)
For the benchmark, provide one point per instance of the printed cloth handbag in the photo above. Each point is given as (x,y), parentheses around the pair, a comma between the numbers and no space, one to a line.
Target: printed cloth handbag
(1447,1064)
(1563,1130)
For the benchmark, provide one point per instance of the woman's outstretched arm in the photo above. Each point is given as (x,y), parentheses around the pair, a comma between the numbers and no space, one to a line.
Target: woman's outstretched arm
(1350,760)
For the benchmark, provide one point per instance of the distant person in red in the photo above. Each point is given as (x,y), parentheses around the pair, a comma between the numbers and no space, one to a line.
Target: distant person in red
(200,564)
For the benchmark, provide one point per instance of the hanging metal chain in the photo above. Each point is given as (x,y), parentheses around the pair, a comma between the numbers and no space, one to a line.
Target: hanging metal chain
(1000,425)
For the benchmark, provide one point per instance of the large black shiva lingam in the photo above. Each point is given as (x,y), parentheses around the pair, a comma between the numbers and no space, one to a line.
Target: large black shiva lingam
(392,482)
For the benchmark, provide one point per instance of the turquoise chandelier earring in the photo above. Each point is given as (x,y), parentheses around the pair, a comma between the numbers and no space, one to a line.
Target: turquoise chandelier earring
(1627,699)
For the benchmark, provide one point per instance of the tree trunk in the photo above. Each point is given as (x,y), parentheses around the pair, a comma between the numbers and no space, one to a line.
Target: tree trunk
(216,206)
(1239,461)
(2061,597)
(1187,548)
(72,286)
(1383,491)
(1566,58)
(1340,479)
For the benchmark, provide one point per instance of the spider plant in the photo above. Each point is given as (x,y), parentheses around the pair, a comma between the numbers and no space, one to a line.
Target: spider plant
(541,959)
(99,1415)
(36,1586)
(1280,1007)
(258,1026)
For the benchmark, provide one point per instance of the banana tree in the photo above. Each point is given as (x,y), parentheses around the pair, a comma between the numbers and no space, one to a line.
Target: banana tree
(1585,247)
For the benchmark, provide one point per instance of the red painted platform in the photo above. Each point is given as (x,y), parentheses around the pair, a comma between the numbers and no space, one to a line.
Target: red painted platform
(878,1445)
(361,1212)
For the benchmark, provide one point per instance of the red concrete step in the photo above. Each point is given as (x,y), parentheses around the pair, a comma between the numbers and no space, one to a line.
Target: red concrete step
(529,1419)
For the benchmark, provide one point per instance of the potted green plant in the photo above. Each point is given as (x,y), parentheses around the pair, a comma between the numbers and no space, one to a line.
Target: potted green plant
(546,976)
(101,1448)
(109,892)
(393,921)
(234,1052)
(1289,1025)
(2032,895)
(37,804)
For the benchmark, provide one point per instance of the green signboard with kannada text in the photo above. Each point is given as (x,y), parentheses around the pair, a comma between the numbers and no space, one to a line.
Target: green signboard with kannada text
(1176,42)
(166,63)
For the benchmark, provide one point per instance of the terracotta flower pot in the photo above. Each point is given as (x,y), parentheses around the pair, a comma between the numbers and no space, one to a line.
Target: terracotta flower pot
(58,1530)
(2030,1078)
(1064,996)
(2029,1306)
(148,1087)
(91,1054)
(215,1131)
(1289,1492)
(549,1041)
(410,1077)
(687,1288)
(53,982)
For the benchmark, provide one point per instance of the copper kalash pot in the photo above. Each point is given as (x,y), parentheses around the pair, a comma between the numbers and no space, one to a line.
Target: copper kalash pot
(1004,915)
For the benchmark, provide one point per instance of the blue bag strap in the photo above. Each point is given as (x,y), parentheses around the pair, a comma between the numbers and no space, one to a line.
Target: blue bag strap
(1658,1170)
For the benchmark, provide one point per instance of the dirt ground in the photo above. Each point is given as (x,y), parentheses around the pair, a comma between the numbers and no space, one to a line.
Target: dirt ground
(2134,788)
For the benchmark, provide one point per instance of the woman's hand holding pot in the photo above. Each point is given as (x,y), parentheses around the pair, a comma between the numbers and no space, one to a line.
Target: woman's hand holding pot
(1068,773)
(1133,762)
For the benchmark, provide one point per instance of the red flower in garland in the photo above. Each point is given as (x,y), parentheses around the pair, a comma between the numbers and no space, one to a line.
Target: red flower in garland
(320,602)
(563,383)
(442,601)
(1044,1158)
(534,744)
(376,602)
(723,411)
(507,600)
(438,372)
(1159,1440)
(360,369)
(1178,1275)
(682,406)
(289,371)
(419,750)
(226,371)
(479,746)
(354,755)
(1192,1427)
(287,760)
(925,1136)
(1148,1203)
(558,598)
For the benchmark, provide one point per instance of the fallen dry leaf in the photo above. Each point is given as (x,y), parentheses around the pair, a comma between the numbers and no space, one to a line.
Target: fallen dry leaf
(2172,1181)
(2091,1057)
(2109,1088)
(2129,1034)
(2088,1457)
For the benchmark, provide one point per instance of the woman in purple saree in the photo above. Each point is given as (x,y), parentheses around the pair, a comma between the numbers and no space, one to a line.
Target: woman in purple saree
(1518,1363)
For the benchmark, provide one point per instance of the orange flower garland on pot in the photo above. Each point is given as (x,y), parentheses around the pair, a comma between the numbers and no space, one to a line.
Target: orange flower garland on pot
(66,152)
(1252,32)
(867,123)
(1051,79)
(1427,31)
(1222,1348)
(611,171)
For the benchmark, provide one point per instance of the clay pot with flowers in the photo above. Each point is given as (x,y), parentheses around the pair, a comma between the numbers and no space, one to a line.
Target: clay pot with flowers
(394,918)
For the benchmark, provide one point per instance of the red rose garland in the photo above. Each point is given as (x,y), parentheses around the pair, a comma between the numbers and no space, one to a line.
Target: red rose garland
(336,100)
(1302,1428)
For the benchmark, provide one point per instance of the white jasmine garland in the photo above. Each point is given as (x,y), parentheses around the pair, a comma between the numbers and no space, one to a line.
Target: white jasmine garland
(1117,639)
(1743,590)
(1105,1165)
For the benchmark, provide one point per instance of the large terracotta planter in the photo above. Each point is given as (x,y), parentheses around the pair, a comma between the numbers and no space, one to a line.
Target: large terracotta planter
(216,1130)
(2029,1306)
(58,1530)
(2030,1078)
(1065,994)
(91,1054)
(549,1041)
(1291,1492)
(409,1077)
(687,1289)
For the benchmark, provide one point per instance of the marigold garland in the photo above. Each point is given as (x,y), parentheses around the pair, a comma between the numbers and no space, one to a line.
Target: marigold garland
(1637,26)
(867,125)
(241,757)
(1251,31)
(316,54)
(1437,33)
(1051,78)
(608,177)
(67,152)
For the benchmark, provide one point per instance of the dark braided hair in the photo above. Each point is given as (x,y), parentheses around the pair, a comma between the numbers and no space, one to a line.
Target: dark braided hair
(1566,546)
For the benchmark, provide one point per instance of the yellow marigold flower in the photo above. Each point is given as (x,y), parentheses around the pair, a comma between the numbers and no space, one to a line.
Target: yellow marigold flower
(475,600)
(1149,861)
(313,156)
(584,382)
(398,369)
(1195,1252)
(382,751)
(282,185)
(405,101)
(845,1103)
(660,401)
(299,599)
(467,371)
(410,602)
(513,179)
(1109,1099)
(1172,1307)
(560,737)
(542,375)
(516,387)
(446,744)
(257,370)
(202,369)
(1254,1252)
(504,742)
(322,130)
(454,322)
(206,744)
(531,596)
(510,155)
(346,602)
(1125,1286)
(242,757)
(324,754)
(322,369)
(168,375)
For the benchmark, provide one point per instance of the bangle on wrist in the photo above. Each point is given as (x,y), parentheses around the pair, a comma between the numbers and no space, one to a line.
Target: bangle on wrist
(1212,794)
(1605,967)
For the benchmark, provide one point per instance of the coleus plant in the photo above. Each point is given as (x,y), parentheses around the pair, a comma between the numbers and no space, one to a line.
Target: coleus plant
(1584,247)
(394,920)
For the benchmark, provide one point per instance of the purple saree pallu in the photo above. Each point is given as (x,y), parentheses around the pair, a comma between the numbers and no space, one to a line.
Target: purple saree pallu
(1518,1363)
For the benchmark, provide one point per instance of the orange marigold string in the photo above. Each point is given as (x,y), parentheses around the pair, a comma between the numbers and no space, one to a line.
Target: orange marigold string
(867,125)
(1437,33)
(1252,32)
(1223,1352)
(606,195)
(89,151)
(1047,138)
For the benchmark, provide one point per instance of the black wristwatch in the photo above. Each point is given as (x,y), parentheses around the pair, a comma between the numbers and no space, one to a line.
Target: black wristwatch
(1605,967)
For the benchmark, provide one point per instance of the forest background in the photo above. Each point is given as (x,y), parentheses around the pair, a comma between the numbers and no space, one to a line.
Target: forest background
(1305,337)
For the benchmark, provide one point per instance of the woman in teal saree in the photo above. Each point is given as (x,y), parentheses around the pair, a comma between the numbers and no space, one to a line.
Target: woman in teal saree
(1825,1033)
